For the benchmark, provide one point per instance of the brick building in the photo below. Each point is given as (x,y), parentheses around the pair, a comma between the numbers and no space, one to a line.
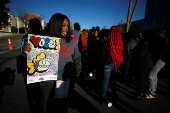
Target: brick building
(28,17)
(15,21)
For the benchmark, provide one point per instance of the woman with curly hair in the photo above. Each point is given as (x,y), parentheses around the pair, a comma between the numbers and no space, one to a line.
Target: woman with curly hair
(112,58)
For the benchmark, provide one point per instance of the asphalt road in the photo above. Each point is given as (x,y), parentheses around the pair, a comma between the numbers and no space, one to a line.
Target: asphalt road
(13,94)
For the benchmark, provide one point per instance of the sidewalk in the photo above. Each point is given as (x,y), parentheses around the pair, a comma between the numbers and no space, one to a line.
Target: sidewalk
(10,35)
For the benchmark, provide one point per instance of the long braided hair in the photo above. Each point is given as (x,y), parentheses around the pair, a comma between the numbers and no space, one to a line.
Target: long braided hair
(116,46)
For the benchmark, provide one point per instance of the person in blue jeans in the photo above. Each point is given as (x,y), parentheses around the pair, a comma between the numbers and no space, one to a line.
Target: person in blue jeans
(111,58)
(106,72)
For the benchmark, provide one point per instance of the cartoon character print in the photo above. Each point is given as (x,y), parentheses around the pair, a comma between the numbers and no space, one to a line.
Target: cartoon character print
(39,64)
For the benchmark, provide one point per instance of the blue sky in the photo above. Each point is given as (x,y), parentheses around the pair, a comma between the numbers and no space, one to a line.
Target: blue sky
(87,12)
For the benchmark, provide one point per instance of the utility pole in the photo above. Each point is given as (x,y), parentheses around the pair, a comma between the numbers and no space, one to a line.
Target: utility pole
(129,11)
(128,18)
(133,13)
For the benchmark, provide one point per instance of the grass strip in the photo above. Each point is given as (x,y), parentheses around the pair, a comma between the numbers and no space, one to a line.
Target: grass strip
(12,37)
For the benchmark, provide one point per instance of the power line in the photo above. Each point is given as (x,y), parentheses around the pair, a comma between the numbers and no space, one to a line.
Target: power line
(118,11)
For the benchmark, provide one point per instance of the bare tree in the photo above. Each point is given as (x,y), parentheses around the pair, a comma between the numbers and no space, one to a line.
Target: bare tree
(20,14)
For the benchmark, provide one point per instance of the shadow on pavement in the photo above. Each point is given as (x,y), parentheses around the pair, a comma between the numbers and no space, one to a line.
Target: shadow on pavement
(128,106)
(91,87)
(6,78)
(133,93)
(33,91)
(6,59)
(79,103)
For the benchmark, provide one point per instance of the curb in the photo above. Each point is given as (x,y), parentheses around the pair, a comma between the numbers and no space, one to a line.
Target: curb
(6,48)
(1,52)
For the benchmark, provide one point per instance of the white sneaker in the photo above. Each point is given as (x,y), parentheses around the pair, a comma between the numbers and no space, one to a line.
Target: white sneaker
(109,104)
(90,74)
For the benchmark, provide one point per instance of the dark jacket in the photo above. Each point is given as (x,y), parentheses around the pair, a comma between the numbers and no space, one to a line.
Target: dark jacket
(104,56)
(95,53)
(159,46)
(166,55)
(142,56)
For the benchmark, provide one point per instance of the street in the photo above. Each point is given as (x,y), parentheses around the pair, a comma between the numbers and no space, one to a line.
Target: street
(13,95)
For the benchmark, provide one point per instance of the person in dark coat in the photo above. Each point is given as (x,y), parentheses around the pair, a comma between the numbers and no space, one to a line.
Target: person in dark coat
(143,63)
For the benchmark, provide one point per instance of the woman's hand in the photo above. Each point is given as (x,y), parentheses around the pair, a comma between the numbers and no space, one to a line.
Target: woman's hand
(27,47)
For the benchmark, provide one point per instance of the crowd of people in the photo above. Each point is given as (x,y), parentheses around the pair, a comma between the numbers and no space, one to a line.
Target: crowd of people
(138,55)
(102,54)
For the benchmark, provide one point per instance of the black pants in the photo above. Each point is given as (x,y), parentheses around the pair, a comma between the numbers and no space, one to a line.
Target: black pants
(141,76)
(50,103)
(125,71)
(33,94)
(99,72)
(48,91)
(113,86)
(83,57)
